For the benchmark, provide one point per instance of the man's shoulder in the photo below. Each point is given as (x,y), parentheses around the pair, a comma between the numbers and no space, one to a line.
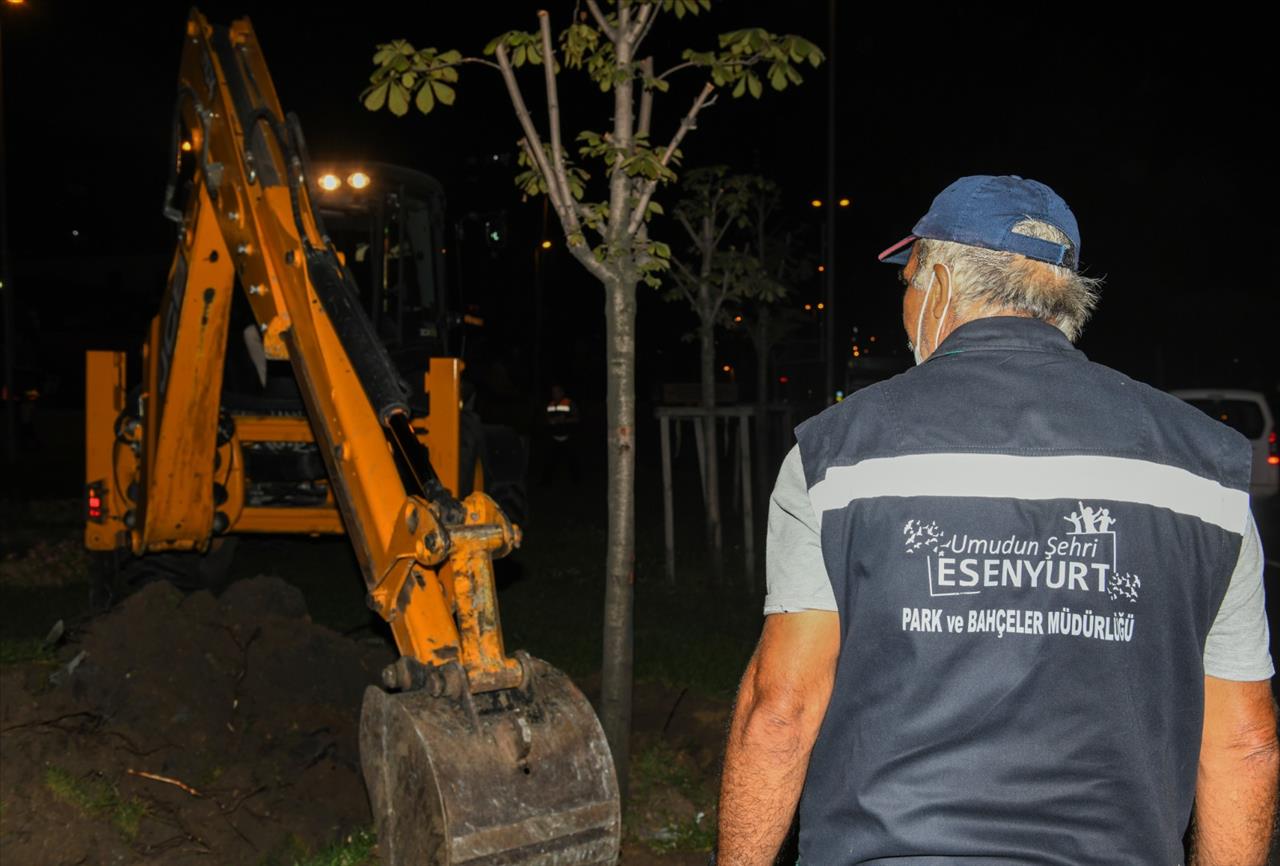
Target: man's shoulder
(1180,427)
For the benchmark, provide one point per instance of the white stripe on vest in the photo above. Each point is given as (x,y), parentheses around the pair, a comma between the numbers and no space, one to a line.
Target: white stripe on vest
(1008,476)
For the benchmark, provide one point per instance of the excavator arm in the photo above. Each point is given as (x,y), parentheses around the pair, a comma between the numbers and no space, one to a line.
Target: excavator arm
(471,755)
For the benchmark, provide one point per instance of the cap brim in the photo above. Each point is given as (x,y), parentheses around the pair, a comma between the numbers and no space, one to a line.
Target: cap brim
(899,253)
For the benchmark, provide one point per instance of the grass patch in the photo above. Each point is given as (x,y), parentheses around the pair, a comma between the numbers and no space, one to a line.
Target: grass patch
(661,767)
(357,849)
(98,798)
(666,823)
(47,563)
(14,651)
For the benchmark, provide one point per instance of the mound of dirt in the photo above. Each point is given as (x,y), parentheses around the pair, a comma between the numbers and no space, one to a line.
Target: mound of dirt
(187,729)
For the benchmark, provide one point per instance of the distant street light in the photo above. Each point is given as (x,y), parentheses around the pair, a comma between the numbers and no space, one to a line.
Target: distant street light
(546,245)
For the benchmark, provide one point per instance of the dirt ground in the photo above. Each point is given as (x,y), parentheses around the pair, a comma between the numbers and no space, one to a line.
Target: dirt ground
(187,729)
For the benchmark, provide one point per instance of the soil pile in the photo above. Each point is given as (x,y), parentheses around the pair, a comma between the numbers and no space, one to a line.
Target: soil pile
(187,729)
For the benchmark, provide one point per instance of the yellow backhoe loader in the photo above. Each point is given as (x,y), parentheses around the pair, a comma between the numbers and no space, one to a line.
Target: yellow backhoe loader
(470,755)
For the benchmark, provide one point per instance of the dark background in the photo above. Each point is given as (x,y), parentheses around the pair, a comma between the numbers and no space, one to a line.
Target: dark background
(1153,131)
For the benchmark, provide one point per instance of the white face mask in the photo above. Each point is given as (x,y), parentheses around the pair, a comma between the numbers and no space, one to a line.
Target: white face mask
(915,345)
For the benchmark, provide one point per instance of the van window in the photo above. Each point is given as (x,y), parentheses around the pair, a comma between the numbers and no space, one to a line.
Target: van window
(1244,416)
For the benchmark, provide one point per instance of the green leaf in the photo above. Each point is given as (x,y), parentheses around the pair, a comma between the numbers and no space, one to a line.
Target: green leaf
(408,79)
(753,83)
(426,99)
(777,78)
(443,92)
(450,56)
(374,99)
(398,100)
(740,88)
(517,56)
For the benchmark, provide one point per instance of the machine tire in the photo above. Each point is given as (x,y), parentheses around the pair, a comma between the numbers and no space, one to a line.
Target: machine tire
(503,455)
(117,574)
(506,463)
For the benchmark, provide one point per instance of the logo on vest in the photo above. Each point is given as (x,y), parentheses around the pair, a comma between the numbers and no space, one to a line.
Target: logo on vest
(1079,564)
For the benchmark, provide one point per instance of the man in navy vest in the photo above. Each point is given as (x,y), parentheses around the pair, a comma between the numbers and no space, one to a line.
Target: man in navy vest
(1015,610)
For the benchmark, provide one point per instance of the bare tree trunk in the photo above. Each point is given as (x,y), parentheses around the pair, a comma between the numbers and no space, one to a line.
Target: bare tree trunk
(620,408)
(763,445)
(715,540)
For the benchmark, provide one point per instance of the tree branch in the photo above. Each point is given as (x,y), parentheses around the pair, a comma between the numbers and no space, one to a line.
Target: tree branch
(601,21)
(480,60)
(582,252)
(724,293)
(561,177)
(724,230)
(684,221)
(644,23)
(646,97)
(689,277)
(688,123)
(677,68)
(623,132)
(533,144)
(625,34)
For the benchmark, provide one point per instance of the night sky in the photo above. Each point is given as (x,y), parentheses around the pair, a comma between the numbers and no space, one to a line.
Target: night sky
(1156,133)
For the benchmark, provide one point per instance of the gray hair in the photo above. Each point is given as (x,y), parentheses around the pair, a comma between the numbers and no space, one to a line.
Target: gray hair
(987,281)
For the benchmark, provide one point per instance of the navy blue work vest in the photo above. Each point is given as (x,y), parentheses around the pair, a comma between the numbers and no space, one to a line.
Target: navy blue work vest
(1027,551)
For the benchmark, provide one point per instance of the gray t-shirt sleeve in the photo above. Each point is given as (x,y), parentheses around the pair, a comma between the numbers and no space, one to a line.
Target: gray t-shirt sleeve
(795,574)
(1237,645)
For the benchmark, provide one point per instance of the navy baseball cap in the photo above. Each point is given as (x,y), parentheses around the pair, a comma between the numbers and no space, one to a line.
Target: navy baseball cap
(982,210)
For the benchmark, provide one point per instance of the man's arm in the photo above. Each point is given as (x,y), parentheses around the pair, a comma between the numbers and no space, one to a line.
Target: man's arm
(1239,765)
(781,703)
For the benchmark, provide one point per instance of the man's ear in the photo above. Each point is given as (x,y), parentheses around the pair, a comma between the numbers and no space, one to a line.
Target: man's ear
(942,292)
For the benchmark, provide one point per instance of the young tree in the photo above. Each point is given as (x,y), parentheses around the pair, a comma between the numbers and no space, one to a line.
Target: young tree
(713,211)
(609,235)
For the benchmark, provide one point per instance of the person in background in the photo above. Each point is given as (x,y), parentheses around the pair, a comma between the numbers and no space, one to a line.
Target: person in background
(562,426)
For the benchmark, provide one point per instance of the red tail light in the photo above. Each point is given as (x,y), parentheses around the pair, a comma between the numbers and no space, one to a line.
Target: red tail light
(95,507)
(1273,458)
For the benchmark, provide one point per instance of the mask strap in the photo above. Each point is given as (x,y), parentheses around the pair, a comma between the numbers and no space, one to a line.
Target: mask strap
(915,347)
(951,282)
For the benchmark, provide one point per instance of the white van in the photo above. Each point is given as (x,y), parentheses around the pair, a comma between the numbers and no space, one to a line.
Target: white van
(1246,412)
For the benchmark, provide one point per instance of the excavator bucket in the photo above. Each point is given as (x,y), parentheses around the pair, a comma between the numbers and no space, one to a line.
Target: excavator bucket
(512,777)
